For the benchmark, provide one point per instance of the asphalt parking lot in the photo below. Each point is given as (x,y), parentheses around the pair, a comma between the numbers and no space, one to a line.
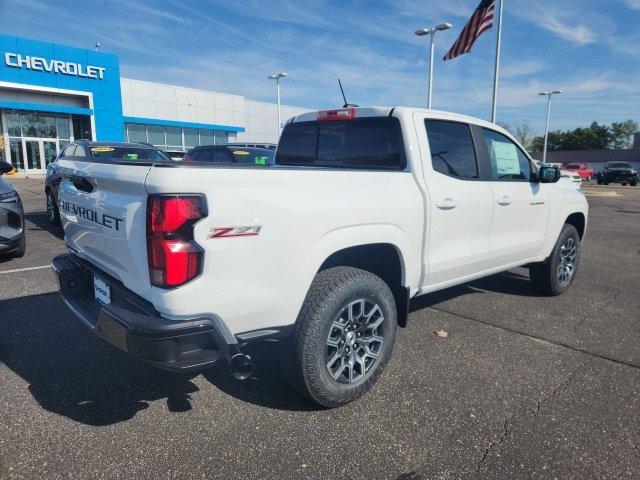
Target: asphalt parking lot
(522,387)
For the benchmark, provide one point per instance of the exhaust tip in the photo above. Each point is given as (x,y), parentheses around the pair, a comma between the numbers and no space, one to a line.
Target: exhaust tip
(241,366)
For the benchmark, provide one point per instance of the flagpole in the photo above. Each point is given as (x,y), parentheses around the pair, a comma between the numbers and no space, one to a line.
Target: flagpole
(496,72)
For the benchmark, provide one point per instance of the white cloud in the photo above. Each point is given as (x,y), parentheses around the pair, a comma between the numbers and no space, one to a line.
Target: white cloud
(560,21)
(634,4)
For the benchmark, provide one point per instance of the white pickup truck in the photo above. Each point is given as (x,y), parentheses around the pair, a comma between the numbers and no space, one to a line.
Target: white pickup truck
(183,263)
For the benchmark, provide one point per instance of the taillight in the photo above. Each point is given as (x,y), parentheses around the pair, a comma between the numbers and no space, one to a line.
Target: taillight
(338,114)
(174,256)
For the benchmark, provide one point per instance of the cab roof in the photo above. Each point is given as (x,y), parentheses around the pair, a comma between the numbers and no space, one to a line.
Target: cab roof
(400,111)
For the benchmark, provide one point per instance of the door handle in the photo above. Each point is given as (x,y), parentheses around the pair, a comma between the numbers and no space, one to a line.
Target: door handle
(504,200)
(447,203)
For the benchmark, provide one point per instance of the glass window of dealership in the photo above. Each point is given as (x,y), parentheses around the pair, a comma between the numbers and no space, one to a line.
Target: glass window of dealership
(35,138)
(174,138)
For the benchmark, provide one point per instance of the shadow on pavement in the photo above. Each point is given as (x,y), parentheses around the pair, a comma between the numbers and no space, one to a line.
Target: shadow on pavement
(508,283)
(73,373)
(41,221)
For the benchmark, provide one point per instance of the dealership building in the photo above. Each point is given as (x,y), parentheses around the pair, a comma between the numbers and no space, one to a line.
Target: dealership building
(51,94)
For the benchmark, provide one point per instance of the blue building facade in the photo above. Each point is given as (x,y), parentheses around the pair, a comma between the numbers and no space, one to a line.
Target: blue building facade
(52,94)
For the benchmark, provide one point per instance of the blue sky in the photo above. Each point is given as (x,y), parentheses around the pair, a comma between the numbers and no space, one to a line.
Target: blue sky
(588,48)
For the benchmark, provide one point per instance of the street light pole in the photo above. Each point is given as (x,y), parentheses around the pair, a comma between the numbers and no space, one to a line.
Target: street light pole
(546,125)
(432,46)
(277,77)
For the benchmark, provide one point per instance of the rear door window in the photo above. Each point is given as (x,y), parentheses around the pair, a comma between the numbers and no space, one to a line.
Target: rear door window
(364,143)
(452,150)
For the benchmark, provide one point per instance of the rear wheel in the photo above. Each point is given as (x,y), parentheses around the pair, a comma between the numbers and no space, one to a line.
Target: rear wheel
(599,181)
(624,184)
(633,184)
(555,274)
(343,336)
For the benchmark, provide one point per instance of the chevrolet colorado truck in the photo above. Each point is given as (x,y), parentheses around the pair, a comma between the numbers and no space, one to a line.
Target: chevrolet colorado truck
(184,263)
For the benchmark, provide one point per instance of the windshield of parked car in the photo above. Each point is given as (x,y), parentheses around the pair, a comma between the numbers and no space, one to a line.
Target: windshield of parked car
(253,156)
(619,165)
(128,153)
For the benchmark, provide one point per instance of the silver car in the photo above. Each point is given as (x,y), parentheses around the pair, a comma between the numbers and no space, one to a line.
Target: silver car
(12,238)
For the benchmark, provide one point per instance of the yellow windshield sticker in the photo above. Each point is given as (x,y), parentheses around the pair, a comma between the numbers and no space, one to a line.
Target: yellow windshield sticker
(240,152)
(102,149)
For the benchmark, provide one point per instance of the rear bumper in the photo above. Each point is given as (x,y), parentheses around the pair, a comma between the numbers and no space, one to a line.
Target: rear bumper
(133,325)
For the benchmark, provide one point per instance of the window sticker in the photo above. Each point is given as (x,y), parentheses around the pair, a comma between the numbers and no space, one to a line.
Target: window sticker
(505,156)
(131,156)
(102,149)
(261,160)
(240,152)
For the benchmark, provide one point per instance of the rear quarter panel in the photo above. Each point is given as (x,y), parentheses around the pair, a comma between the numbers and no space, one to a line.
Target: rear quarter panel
(305,215)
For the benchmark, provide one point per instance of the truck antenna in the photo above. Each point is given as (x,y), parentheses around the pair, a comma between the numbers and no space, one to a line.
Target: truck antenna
(346,104)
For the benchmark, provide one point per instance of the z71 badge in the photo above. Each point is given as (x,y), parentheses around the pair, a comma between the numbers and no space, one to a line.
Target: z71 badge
(248,231)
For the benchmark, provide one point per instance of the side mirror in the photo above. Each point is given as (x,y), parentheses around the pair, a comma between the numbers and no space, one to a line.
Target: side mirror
(5,168)
(549,174)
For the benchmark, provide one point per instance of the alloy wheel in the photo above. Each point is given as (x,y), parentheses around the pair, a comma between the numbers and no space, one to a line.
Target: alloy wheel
(354,341)
(567,265)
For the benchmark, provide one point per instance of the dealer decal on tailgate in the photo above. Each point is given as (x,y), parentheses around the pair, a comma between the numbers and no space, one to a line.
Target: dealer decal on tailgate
(107,221)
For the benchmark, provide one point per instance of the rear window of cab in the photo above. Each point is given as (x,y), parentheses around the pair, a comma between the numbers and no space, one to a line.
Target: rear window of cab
(373,143)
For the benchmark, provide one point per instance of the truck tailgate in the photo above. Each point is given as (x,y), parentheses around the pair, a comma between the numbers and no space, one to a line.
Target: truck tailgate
(103,212)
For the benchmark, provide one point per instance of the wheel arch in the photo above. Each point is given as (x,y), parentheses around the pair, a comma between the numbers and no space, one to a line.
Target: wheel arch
(382,259)
(579,221)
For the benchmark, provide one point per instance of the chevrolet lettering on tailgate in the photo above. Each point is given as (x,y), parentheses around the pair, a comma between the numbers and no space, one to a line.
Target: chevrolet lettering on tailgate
(103,219)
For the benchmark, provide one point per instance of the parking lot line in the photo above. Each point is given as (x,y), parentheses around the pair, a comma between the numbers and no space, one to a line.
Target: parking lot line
(24,269)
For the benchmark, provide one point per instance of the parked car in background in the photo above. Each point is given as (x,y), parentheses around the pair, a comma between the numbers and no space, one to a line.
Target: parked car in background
(230,154)
(583,169)
(618,172)
(565,175)
(270,146)
(13,241)
(183,264)
(113,151)
(174,154)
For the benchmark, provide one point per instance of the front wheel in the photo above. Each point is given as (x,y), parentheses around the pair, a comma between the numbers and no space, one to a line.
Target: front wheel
(555,274)
(343,337)
(633,184)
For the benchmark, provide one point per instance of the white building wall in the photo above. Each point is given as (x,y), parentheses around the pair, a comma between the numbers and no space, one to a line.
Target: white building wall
(261,120)
(167,102)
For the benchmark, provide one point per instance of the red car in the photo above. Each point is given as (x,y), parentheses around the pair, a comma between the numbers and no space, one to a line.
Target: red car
(583,169)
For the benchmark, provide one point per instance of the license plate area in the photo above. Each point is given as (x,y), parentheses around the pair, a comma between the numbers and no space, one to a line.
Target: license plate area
(101,291)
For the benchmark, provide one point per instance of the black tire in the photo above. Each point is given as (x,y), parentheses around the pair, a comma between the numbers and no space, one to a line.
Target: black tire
(546,276)
(304,355)
(599,181)
(633,184)
(22,248)
(53,214)
(624,184)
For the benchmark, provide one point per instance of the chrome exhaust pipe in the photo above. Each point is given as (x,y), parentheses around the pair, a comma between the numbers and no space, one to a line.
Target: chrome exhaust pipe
(241,366)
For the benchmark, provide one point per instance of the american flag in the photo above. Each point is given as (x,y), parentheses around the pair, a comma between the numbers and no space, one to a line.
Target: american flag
(480,22)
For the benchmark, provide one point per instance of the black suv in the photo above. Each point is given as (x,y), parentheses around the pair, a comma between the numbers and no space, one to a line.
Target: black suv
(618,172)
(110,151)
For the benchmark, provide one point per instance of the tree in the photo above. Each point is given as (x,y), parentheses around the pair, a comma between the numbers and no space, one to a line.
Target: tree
(621,133)
(523,135)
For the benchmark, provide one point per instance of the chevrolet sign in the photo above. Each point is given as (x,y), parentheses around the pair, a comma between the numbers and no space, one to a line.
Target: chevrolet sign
(53,66)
